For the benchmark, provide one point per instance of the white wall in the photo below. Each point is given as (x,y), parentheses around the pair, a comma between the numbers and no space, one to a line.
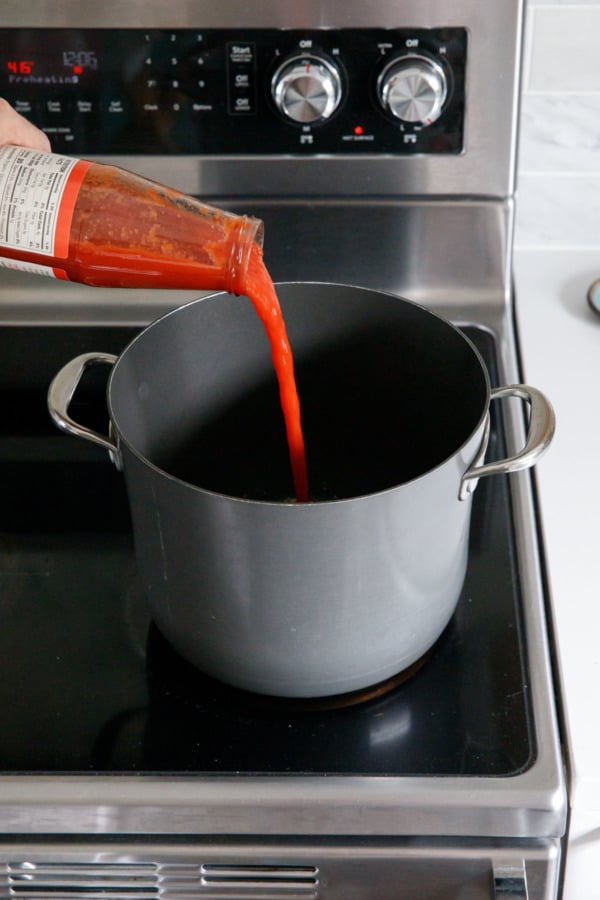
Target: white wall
(557,258)
(558,203)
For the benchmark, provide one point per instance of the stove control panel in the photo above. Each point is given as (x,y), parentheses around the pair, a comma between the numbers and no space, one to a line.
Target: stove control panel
(248,92)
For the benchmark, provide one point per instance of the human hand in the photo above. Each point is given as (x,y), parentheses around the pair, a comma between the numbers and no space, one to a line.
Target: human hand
(15,129)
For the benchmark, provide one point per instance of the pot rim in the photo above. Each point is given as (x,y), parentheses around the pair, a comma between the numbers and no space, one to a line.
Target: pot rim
(121,439)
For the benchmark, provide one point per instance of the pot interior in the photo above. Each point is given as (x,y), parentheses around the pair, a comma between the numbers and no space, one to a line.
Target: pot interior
(388,391)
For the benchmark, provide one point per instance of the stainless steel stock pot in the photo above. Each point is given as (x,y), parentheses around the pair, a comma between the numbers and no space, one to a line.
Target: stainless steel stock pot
(323,598)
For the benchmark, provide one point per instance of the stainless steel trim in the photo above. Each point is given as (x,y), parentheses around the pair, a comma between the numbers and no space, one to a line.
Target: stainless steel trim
(532,803)
(331,868)
(485,168)
(246,14)
(414,248)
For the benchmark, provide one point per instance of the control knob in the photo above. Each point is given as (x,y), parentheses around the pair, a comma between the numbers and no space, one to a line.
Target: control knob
(307,89)
(413,88)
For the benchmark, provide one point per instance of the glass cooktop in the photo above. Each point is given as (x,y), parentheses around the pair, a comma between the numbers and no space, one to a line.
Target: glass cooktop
(88,684)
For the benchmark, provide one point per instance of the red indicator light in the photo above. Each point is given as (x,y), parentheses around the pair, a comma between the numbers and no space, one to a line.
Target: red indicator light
(358,129)
(77,70)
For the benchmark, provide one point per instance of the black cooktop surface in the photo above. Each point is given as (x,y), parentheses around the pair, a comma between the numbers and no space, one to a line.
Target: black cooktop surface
(88,684)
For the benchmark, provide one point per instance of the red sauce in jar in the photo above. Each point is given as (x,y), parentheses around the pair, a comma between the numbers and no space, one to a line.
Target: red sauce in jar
(112,228)
(180,245)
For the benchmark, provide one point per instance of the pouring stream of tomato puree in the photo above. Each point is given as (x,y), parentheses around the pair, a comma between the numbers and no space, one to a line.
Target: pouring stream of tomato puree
(119,239)
(261,292)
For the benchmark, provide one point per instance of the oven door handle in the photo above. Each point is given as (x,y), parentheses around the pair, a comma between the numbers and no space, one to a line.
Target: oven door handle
(61,392)
(540,431)
(510,882)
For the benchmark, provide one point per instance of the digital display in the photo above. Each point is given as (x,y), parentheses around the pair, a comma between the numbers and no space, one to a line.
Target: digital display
(20,66)
(79,60)
(64,67)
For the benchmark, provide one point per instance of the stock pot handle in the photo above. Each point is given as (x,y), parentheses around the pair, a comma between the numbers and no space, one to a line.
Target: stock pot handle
(61,391)
(540,432)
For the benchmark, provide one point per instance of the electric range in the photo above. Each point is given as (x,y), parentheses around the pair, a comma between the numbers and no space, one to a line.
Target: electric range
(123,770)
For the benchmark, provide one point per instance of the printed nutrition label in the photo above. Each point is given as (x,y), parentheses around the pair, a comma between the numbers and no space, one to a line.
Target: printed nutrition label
(32,268)
(37,196)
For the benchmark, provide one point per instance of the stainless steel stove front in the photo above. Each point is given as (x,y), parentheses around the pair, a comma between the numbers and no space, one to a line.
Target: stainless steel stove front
(280,870)
(435,228)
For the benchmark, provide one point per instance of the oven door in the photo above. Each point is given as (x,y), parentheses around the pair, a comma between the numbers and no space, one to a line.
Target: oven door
(280,869)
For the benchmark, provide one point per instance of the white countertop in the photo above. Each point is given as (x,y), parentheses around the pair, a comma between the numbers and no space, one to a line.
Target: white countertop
(560,343)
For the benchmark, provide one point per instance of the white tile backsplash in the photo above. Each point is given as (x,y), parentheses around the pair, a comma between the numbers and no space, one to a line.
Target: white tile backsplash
(560,133)
(558,196)
(558,211)
(564,49)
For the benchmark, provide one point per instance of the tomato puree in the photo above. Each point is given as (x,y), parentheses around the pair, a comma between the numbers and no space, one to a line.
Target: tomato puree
(122,236)
(112,228)
(261,291)
(180,244)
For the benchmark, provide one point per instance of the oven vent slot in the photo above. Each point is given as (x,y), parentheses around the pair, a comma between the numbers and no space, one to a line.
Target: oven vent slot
(86,881)
(29,880)
(253,881)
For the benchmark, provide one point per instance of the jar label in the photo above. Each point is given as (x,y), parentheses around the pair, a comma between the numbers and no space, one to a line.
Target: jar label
(37,196)
(35,268)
